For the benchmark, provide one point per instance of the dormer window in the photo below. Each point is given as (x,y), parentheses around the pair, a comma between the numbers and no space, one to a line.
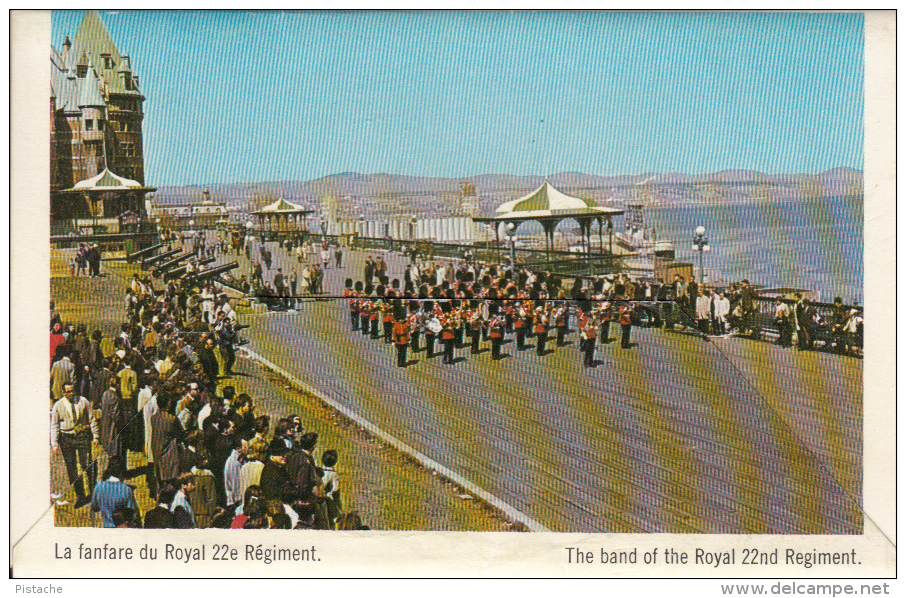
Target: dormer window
(81,71)
(127,81)
(89,124)
(107,60)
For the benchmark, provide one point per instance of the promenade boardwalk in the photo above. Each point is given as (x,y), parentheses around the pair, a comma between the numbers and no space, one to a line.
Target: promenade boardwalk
(677,434)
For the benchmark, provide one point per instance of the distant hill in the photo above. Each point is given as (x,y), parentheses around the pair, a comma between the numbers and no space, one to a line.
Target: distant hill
(366,193)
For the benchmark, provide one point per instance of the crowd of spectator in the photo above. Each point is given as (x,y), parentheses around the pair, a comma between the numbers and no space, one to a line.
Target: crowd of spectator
(162,398)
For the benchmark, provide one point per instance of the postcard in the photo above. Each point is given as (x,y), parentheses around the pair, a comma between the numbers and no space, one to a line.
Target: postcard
(459,294)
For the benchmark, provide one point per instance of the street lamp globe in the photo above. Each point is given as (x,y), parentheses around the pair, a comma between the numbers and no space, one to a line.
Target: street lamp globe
(706,248)
(700,230)
(249,224)
(511,226)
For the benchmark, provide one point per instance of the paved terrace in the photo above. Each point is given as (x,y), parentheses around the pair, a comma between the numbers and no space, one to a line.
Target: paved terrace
(677,434)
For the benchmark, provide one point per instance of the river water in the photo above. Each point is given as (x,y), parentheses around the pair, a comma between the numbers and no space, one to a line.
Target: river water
(814,244)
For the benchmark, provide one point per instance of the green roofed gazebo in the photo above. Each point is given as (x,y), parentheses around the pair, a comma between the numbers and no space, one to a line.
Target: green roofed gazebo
(108,194)
(549,206)
(282,215)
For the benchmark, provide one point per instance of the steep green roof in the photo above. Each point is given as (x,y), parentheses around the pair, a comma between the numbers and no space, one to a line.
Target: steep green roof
(94,41)
(90,94)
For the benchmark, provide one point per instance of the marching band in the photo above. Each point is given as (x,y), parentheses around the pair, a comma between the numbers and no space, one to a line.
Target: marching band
(464,318)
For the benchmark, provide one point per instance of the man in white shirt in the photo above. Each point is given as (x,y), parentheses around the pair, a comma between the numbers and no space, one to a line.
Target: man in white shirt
(721,312)
(703,311)
(73,432)
(147,404)
(231,471)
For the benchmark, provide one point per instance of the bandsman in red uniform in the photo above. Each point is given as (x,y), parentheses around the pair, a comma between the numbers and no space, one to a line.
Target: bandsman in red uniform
(351,297)
(432,328)
(588,330)
(365,307)
(415,324)
(447,336)
(460,319)
(475,324)
(540,329)
(497,326)
(529,307)
(387,315)
(520,322)
(400,335)
(605,315)
(510,311)
(625,322)
(561,321)
(375,313)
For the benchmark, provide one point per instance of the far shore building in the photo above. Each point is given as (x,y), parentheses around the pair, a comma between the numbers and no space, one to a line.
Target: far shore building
(207,213)
(455,226)
(96,113)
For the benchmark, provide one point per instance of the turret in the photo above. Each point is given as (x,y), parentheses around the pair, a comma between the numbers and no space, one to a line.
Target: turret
(82,66)
(92,105)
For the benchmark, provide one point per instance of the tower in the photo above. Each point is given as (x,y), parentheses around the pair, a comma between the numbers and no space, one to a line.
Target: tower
(468,199)
(96,114)
(329,211)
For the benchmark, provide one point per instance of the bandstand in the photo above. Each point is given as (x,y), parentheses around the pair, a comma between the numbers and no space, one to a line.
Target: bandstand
(282,217)
(549,207)
(102,199)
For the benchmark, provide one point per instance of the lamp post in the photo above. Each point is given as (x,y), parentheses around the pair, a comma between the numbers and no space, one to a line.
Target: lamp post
(700,245)
(610,243)
(512,237)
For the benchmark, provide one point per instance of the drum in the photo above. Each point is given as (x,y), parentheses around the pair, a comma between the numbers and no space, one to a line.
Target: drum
(434,325)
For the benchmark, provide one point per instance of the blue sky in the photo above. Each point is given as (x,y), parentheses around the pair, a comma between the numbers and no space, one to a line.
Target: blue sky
(258,96)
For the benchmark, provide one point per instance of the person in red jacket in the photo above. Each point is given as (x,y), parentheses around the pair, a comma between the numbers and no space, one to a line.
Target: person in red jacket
(561,321)
(540,330)
(475,326)
(375,314)
(605,314)
(589,332)
(414,325)
(387,318)
(365,307)
(520,320)
(497,325)
(56,339)
(447,336)
(401,337)
(352,298)
(625,323)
